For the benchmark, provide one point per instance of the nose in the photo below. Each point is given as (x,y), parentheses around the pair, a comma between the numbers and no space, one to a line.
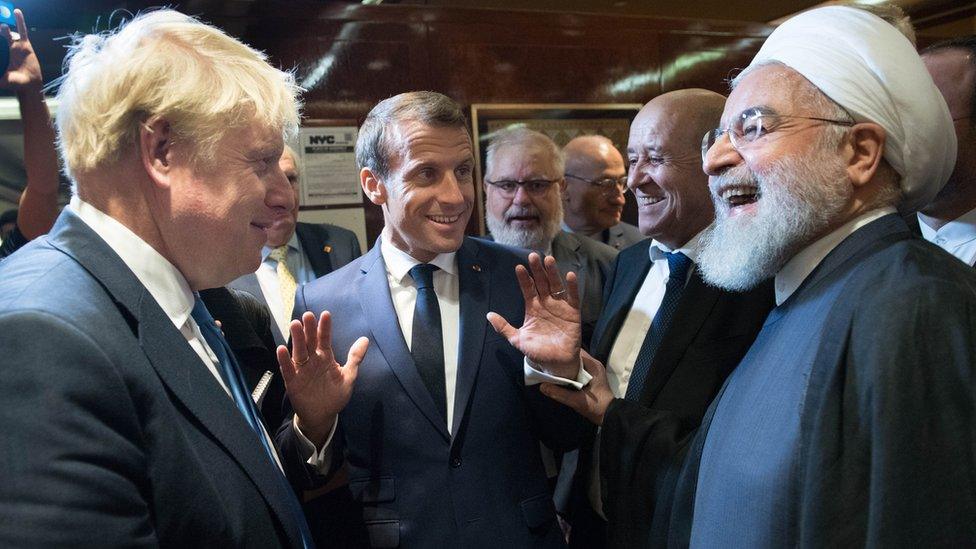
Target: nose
(615,195)
(450,190)
(280,193)
(721,156)
(521,196)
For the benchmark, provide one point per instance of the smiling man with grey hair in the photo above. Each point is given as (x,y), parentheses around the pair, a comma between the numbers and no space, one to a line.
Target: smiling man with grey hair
(129,413)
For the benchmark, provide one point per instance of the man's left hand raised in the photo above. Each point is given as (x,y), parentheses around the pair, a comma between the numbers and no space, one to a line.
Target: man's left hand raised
(550,333)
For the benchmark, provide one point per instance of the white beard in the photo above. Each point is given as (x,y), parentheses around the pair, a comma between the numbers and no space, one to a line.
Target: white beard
(538,239)
(799,197)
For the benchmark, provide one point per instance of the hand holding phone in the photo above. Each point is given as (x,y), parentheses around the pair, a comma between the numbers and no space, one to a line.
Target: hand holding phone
(23,70)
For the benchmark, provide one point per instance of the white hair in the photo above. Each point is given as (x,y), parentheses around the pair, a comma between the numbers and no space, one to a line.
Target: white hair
(163,64)
(524,137)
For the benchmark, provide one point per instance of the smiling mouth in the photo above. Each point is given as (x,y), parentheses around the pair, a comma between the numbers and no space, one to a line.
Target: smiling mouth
(740,195)
(444,219)
(648,200)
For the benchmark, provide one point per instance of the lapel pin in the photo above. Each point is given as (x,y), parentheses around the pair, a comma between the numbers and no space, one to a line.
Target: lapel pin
(476,267)
(327,249)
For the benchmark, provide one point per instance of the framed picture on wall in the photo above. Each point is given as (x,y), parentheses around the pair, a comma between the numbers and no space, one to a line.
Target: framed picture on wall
(561,122)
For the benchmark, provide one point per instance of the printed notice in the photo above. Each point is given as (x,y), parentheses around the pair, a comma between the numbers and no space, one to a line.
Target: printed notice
(330,176)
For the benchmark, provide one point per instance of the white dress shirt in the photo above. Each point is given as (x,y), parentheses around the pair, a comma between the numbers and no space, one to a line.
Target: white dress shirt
(648,300)
(161,279)
(796,270)
(958,237)
(267,275)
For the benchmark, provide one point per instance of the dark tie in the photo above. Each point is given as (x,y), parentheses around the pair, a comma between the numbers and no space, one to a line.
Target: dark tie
(678,265)
(427,341)
(231,374)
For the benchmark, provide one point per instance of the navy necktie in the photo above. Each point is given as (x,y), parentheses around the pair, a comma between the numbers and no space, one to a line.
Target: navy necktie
(678,265)
(427,340)
(231,374)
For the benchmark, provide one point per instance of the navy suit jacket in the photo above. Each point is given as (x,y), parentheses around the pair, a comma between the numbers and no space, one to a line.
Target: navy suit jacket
(114,433)
(418,485)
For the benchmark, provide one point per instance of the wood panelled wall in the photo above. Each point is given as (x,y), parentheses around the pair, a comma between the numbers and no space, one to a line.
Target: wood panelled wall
(351,56)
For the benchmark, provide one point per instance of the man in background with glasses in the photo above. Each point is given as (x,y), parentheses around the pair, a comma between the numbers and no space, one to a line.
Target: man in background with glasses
(524,189)
(596,180)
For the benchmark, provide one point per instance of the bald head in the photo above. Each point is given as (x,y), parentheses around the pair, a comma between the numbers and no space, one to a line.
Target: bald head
(592,202)
(664,151)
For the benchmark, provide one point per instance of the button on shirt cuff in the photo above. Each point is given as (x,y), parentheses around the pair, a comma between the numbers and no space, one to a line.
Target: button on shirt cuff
(534,376)
(320,460)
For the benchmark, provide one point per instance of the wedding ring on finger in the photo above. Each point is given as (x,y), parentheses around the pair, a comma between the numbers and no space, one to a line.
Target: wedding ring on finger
(558,294)
(302,363)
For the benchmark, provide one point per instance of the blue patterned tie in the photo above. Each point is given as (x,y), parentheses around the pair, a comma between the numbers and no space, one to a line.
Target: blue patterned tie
(678,265)
(231,374)
(427,340)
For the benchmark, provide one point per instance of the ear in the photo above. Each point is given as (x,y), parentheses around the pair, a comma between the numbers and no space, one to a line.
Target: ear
(374,188)
(156,149)
(866,142)
(562,187)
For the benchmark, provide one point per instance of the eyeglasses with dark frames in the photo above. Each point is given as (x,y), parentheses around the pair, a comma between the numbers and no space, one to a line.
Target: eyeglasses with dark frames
(535,187)
(753,124)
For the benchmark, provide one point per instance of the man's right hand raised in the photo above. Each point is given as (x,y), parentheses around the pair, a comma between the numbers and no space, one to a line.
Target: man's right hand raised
(317,385)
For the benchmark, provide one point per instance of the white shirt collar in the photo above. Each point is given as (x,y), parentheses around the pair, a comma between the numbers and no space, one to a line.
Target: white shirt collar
(796,270)
(954,233)
(165,283)
(658,250)
(399,262)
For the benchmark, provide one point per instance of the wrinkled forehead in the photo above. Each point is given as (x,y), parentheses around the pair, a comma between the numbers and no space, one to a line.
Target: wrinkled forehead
(772,88)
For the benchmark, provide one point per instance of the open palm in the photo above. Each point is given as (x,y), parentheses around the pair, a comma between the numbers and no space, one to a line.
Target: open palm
(550,332)
(317,385)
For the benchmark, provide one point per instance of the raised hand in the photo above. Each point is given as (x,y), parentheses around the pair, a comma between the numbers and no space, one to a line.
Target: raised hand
(24,71)
(317,385)
(593,399)
(550,332)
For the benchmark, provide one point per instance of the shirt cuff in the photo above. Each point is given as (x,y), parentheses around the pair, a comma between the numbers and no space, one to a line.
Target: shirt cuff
(534,376)
(319,460)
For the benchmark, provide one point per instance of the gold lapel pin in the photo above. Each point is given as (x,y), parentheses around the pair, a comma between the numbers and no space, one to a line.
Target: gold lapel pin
(327,249)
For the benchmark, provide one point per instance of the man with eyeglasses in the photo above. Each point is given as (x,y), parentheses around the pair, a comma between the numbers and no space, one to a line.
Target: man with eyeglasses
(523,191)
(849,423)
(596,180)
(949,221)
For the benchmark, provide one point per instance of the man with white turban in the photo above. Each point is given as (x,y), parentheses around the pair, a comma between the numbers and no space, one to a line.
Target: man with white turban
(850,421)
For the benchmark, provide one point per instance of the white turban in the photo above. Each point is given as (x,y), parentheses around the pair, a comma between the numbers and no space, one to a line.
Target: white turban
(869,68)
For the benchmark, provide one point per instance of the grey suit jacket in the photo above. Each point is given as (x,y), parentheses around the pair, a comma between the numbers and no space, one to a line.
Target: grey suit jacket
(327,248)
(621,235)
(591,261)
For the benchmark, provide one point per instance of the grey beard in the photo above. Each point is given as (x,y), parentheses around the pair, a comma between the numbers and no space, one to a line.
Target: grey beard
(538,239)
(799,199)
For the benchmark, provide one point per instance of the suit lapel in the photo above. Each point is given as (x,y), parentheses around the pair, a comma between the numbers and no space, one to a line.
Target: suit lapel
(249,283)
(176,364)
(314,249)
(628,281)
(565,248)
(696,303)
(381,317)
(474,288)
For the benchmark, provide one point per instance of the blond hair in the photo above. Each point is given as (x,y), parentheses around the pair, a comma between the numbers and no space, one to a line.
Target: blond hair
(168,65)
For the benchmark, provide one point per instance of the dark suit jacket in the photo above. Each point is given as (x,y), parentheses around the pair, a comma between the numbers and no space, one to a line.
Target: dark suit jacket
(114,433)
(327,248)
(246,324)
(711,331)
(418,485)
(590,260)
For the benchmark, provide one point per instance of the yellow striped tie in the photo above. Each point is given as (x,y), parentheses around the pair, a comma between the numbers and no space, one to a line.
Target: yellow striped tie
(286,279)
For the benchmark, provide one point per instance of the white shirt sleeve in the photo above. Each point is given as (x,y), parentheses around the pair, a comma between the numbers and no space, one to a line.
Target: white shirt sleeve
(320,460)
(534,376)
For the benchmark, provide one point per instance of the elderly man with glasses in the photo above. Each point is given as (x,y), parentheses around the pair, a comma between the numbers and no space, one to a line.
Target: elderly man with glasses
(849,423)
(593,201)
(523,189)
